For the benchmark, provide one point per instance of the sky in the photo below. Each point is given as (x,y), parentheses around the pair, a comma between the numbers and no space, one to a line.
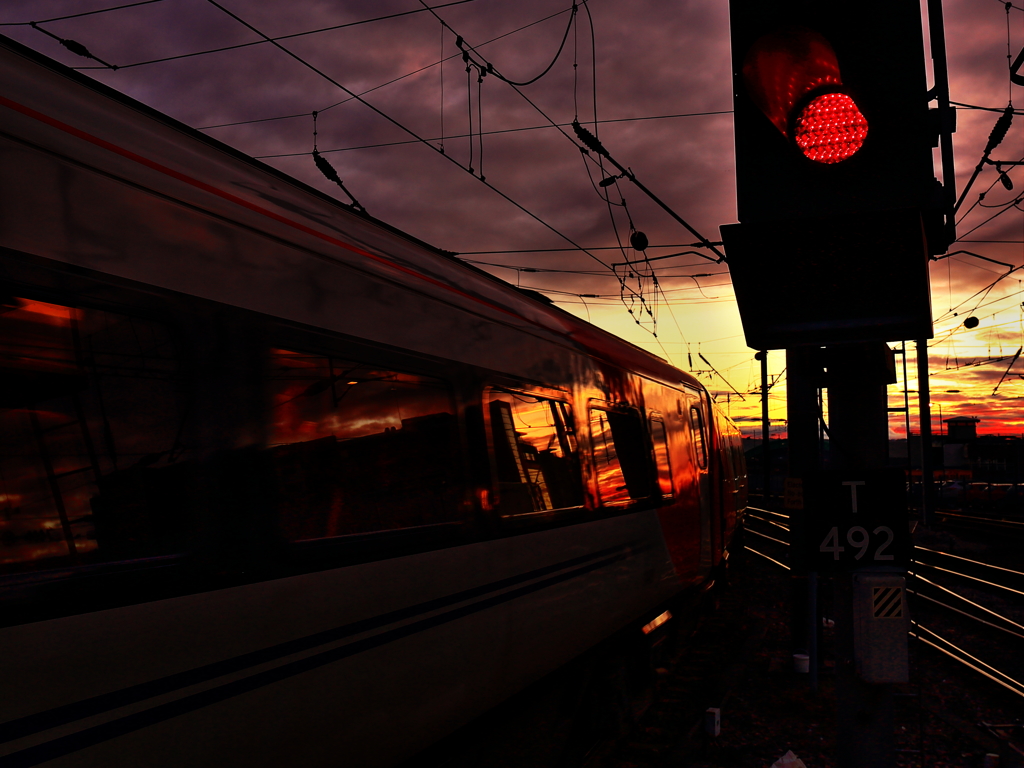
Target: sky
(512,193)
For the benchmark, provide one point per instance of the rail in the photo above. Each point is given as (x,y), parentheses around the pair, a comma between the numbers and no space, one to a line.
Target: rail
(921,632)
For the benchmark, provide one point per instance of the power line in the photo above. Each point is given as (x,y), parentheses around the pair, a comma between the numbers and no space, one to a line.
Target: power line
(459,135)
(594,145)
(1006,297)
(1007,206)
(593,273)
(984,109)
(397,124)
(526,98)
(76,15)
(73,45)
(488,68)
(589,248)
(591,302)
(976,203)
(668,305)
(959,327)
(389,82)
(272,39)
(614,295)
(634,294)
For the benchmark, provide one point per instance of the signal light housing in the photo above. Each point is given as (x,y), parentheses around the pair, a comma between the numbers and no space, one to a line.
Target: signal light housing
(831,110)
(833,147)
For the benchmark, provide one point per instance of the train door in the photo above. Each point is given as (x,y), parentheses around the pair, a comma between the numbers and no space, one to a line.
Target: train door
(697,417)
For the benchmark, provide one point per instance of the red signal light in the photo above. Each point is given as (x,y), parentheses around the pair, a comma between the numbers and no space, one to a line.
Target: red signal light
(830,128)
(782,70)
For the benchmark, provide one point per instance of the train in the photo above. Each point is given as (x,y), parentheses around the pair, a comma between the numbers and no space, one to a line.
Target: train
(283,485)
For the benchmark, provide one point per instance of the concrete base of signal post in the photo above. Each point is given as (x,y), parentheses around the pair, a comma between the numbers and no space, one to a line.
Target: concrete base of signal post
(855,376)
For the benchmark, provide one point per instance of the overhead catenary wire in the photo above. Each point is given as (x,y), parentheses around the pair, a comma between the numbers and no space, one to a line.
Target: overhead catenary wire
(492,154)
(399,125)
(995,138)
(962,105)
(589,248)
(633,294)
(978,202)
(251,43)
(1007,206)
(694,303)
(77,15)
(386,83)
(603,191)
(672,314)
(960,327)
(488,67)
(613,295)
(1007,371)
(577,128)
(982,291)
(329,171)
(495,132)
(72,45)
(592,272)
(701,356)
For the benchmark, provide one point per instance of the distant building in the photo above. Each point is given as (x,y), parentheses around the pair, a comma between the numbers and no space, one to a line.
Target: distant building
(961,429)
(961,454)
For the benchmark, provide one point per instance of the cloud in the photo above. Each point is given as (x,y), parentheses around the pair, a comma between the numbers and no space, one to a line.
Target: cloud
(652,59)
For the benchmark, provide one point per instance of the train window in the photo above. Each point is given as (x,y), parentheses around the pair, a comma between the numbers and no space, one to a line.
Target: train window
(92,463)
(620,455)
(699,436)
(535,452)
(660,440)
(356,448)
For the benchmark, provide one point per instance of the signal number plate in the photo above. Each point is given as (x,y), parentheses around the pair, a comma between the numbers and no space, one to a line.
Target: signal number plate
(859,542)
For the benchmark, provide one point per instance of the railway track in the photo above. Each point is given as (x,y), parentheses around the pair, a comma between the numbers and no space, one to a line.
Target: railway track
(706,669)
(965,609)
(738,660)
(959,519)
(590,714)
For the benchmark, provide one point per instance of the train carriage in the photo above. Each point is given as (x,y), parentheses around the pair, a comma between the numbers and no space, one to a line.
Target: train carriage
(282,485)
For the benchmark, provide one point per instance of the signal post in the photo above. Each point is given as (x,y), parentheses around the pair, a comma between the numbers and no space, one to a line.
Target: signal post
(839,212)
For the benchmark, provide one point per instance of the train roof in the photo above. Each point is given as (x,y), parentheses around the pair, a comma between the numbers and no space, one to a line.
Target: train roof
(181,155)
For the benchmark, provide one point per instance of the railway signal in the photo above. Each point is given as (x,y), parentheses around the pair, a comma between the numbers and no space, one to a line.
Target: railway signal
(831,109)
(836,194)
(839,210)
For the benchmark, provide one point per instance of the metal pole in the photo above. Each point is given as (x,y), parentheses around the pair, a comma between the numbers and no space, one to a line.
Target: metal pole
(803,374)
(906,403)
(859,427)
(925,407)
(766,430)
(812,628)
(947,117)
